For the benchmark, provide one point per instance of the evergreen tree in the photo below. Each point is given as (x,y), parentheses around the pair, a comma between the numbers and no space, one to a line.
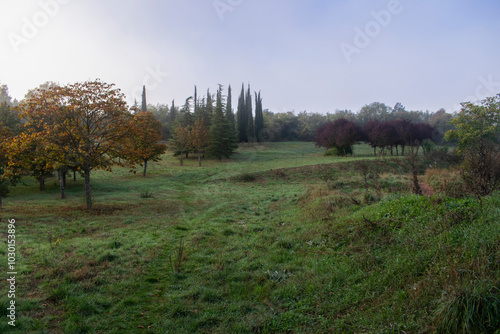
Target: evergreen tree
(259,117)
(222,138)
(173,112)
(232,133)
(229,109)
(209,109)
(187,118)
(241,117)
(250,127)
(199,107)
(144,106)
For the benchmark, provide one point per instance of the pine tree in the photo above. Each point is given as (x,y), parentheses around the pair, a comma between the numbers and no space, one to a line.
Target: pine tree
(259,117)
(242,118)
(250,127)
(144,106)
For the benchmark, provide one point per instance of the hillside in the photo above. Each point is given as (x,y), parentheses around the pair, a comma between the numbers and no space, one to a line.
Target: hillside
(280,239)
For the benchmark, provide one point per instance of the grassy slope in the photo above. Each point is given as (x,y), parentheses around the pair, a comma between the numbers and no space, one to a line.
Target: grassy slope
(287,252)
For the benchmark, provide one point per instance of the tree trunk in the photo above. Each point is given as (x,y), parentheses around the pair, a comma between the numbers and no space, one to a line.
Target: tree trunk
(199,159)
(62,182)
(416,185)
(182,162)
(375,150)
(74,175)
(0,200)
(88,190)
(145,167)
(42,182)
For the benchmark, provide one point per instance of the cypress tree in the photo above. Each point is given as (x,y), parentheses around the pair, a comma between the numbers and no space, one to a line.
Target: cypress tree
(241,117)
(229,109)
(144,106)
(173,112)
(196,110)
(259,117)
(250,127)
(208,111)
(232,135)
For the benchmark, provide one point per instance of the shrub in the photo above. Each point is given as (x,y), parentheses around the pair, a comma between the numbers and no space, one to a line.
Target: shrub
(428,146)
(339,151)
(446,181)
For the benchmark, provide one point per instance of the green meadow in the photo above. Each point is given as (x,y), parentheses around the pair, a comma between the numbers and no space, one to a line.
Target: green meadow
(278,239)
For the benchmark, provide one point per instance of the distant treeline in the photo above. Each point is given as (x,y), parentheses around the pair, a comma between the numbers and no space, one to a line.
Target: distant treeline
(264,125)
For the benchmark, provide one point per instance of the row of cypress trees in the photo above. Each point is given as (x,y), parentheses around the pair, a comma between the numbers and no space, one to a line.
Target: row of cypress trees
(248,129)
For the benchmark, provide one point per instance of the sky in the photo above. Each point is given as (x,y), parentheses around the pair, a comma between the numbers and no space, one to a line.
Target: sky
(303,55)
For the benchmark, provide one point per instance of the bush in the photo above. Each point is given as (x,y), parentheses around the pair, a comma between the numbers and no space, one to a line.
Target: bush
(446,181)
(339,151)
(428,146)
(246,177)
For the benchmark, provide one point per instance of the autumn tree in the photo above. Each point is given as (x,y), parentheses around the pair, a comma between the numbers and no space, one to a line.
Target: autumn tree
(339,135)
(86,126)
(143,144)
(8,176)
(29,155)
(199,138)
(478,135)
(180,140)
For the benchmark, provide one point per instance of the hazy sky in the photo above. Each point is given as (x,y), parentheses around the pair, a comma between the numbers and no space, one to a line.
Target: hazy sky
(313,55)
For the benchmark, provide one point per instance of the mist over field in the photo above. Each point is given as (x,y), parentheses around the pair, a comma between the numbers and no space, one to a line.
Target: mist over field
(233,166)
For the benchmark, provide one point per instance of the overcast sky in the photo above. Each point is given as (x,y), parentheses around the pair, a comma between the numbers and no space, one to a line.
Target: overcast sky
(313,55)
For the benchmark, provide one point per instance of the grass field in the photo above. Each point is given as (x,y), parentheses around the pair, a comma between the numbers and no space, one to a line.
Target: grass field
(279,239)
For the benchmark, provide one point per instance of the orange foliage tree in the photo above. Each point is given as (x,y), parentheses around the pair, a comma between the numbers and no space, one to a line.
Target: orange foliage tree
(83,125)
(180,140)
(199,138)
(145,134)
(8,175)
